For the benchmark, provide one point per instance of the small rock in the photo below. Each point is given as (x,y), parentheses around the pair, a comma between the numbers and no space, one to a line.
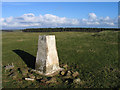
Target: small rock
(8,67)
(39,77)
(35,71)
(52,80)
(12,71)
(14,77)
(69,81)
(66,82)
(66,77)
(31,76)
(77,81)
(44,80)
(69,73)
(75,74)
(65,66)
(29,79)
(11,74)
(62,73)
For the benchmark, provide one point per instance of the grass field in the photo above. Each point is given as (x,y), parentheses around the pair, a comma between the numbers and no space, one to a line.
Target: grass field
(93,55)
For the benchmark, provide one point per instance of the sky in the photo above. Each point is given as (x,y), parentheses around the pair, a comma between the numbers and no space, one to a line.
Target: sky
(60,0)
(19,15)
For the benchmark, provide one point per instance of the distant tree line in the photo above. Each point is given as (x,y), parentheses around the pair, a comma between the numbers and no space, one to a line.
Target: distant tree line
(69,29)
(7,30)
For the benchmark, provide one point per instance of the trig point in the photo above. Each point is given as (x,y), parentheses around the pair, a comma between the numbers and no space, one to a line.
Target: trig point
(47,61)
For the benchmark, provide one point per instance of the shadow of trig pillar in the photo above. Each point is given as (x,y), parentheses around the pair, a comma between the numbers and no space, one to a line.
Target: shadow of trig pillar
(47,61)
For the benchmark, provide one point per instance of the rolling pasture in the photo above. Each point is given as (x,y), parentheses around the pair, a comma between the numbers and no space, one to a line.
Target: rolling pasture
(93,55)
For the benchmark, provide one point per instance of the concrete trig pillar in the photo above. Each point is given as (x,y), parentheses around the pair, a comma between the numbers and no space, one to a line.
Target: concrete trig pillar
(47,61)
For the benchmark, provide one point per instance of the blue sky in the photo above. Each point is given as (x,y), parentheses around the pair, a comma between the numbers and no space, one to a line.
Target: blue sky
(75,12)
(62,9)
(60,0)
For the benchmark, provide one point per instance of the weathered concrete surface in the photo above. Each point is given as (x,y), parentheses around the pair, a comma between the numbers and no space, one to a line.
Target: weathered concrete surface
(47,61)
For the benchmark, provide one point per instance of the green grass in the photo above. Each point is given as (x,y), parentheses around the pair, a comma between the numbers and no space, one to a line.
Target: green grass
(91,54)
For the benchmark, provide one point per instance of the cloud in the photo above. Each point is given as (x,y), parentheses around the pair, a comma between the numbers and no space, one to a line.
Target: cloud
(92,16)
(48,20)
(93,20)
